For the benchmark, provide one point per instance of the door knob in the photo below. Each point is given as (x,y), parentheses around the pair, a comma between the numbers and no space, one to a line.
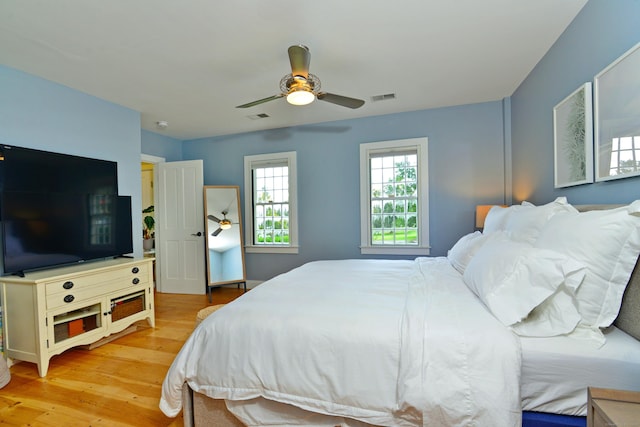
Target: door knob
(199,233)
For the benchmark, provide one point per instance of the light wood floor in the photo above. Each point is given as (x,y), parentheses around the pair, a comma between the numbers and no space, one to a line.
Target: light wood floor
(117,384)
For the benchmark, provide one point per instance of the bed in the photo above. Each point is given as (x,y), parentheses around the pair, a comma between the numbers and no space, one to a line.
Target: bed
(508,329)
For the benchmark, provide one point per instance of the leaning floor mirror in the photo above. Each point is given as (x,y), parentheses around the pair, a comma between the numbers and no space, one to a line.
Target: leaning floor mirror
(225,254)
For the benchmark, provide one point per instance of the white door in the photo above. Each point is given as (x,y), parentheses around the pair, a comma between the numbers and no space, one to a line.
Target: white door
(180,266)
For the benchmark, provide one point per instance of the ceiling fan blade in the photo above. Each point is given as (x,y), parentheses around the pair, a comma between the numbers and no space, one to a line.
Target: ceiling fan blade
(341,100)
(299,57)
(213,218)
(215,233)
(260,101)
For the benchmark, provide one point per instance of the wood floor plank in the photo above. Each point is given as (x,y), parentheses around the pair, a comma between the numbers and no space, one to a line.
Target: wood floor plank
(117,384)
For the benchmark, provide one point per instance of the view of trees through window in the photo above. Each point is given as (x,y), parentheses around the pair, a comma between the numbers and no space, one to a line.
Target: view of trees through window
(625,155)
(394,199)
(271,205)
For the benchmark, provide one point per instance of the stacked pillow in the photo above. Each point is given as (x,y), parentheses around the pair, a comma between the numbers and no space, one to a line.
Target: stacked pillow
(608,243)
(525,222)
(463,251)
(514,278)
(545,270)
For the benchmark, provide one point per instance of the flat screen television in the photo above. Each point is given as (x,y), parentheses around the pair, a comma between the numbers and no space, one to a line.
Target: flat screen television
(49,229)
(27,169)
(60,209)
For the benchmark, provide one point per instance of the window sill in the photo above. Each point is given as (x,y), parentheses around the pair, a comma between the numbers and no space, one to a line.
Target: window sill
(390,250)
(271,249)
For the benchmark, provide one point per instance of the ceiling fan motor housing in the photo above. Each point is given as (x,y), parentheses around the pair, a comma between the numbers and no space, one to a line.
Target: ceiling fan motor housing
(291,83)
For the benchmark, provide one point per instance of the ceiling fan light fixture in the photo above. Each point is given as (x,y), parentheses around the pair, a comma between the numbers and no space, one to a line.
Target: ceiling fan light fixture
(300,97)
(301,87)
(225,225)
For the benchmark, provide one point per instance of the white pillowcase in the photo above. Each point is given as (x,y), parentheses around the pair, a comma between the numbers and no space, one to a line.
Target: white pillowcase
(513,278)
(464,249)
(523,222)
(557,315)
(525,225)
(497,217)
(607,242)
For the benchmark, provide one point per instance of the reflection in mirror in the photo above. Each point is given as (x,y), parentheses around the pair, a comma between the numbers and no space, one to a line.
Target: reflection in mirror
(225,255)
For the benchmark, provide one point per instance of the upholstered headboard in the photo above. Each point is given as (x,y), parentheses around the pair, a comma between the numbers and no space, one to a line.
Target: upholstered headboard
(629,317)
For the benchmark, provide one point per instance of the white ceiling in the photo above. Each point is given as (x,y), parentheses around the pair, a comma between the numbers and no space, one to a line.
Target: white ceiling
(191,62)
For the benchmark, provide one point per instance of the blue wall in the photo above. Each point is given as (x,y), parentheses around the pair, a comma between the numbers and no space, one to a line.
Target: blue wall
(465,151)
(231,268)
(601,32)
(467,144)
(37,113)
(225,265)
(163,146)
(466,167)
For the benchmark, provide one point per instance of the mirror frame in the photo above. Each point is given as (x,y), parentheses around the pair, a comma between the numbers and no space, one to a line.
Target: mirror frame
(209,231)
(616,113)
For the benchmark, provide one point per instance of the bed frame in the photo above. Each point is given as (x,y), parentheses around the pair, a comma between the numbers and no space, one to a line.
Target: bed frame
(200,410)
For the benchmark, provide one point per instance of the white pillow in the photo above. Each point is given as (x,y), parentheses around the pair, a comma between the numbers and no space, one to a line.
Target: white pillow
(464,249)
(525,225)
(557,315)
(513,278)
(497,217)
(607,242)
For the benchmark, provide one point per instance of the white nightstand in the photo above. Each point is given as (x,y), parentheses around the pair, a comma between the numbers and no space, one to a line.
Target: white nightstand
(613,408)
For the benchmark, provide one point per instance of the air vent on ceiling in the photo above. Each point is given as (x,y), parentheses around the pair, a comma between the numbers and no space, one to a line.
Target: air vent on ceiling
(384,97)
(258,116)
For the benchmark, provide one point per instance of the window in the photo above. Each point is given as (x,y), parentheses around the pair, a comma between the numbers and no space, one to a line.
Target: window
(625,155)
(270,203)
(394,197)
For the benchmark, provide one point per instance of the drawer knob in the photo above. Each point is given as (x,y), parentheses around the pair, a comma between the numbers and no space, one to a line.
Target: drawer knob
(69,298)
(135,270)
(68,285)
(135,281)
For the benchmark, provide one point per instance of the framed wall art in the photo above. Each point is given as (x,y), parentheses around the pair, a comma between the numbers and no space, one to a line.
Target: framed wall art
(573,139)
(617,118)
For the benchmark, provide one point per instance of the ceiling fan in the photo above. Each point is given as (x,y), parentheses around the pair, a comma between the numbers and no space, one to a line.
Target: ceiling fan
(223,224)
(301,87)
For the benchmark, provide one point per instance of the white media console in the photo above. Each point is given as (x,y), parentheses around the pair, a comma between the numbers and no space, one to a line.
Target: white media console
(47,312)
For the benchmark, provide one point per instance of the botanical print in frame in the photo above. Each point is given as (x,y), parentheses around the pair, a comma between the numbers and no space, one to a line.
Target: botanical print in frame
(617,118)
(573,139)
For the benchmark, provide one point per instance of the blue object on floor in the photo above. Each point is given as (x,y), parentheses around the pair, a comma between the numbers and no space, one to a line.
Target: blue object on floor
(541,419)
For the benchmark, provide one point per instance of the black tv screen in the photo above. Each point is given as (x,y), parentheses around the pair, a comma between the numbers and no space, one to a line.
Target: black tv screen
(27,169)
(44,229)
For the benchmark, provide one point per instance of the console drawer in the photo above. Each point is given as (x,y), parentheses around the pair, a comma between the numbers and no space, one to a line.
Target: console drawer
(74,295)
(125,276)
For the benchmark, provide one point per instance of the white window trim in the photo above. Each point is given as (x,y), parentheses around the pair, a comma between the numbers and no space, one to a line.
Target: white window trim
(423,247)
(292,247)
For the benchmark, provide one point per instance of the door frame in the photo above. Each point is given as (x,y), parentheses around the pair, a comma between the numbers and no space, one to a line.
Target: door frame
(148,158)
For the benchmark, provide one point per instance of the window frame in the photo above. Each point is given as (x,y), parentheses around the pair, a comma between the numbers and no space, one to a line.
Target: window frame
(617,150)
(420,145)
(250,162)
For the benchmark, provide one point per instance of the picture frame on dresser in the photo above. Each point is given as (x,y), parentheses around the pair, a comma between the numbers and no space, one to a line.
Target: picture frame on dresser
(616,112)
(573,138)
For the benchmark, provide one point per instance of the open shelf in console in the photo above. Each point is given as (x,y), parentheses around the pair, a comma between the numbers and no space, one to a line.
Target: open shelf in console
(76,322)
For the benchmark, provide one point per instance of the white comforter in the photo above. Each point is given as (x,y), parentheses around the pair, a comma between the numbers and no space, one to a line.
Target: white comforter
(400,343)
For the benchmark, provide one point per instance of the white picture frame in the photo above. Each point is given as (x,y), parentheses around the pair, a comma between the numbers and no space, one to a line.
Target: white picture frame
(617,118)
(573,138)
